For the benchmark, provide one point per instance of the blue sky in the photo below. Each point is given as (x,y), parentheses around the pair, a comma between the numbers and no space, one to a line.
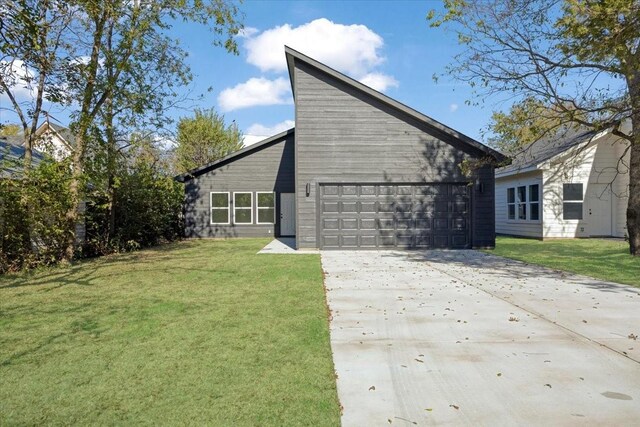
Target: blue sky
(410,53)
(386,44)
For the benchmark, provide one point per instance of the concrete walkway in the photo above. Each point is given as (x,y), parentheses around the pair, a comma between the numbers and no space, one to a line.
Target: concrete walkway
(465,338)
(285,245)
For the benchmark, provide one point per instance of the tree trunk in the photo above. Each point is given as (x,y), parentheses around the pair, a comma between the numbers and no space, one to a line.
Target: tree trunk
(85,118)
(633,209)
(74,194)
(111,168)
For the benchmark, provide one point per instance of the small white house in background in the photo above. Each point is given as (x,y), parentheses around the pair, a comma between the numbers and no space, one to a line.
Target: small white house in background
(55,140)
(573,186)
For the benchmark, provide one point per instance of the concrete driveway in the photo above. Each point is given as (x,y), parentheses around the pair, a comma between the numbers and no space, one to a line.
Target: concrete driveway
(465,338)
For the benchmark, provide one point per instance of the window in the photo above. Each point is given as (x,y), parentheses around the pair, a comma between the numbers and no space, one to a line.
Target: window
(266,204)
(219,208)
(242,208)
(572,198)
(511,203)
(519,205)
(534,202)
(522,202)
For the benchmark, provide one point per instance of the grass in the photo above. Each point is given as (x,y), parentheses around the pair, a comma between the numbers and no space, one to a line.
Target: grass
(602,259)
(198,332)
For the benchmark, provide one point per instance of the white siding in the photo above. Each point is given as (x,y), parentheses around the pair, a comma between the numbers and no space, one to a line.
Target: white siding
(621,191)
(52,144)
(595,167)
(516,227)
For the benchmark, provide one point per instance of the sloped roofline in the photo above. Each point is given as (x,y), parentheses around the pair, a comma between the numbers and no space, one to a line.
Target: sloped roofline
(292,55)
(51,127)
(251,148)
(585,139)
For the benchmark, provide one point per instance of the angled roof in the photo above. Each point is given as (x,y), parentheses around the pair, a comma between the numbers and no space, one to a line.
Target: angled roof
(16,140)
(63,133)
(246,150)
(11,156)
(538,152)
(293,55)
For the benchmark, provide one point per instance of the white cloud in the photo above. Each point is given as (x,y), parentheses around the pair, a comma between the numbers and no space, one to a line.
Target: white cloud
(257,132)
(453,108)
(353,49)
(252,139)
(255,91)
(20,80)
(259,129)
(247,32)
(379,81)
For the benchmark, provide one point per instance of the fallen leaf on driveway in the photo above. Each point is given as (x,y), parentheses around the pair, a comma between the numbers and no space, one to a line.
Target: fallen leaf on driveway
(372,388)
(429,409)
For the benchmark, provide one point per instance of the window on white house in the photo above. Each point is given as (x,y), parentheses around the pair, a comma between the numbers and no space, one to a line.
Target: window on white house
(572,198)
(266,204)
(511,203)
(534,202)
(219,208)
(522,202)
(242,208)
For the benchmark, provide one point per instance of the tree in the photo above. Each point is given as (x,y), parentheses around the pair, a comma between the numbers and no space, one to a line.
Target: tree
(87,54)
(125,39)
(525,123)
(32,50)
(9,129)
(580,56)
(203,139)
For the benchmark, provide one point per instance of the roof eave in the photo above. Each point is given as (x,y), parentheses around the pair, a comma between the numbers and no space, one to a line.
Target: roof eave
(511,172)
(39,132)
(292,55)
(202,169)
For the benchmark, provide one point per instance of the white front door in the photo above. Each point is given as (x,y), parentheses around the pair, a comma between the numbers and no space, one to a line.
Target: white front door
(599,210)
(287,214)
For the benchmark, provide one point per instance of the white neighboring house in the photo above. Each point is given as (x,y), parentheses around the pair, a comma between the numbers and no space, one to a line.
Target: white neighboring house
(55,140)
(574,186)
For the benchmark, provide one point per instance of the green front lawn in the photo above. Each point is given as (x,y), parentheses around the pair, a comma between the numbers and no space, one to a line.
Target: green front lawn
(196,333)
(599,258)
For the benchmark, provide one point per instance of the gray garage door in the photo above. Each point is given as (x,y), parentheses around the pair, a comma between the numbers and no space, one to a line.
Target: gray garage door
(394,216)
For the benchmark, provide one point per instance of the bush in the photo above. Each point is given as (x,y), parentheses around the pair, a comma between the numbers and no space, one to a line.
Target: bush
(33,225)
(34,229)
(147,208)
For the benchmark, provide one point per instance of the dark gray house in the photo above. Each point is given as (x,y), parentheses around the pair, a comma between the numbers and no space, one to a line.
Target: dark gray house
(360,170)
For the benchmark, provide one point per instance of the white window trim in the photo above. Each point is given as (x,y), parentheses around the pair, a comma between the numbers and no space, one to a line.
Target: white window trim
(211,208)
(539,202)
(250,208)
(520,202)
(258,207)
(573,201)
(527,202)
(514,204)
